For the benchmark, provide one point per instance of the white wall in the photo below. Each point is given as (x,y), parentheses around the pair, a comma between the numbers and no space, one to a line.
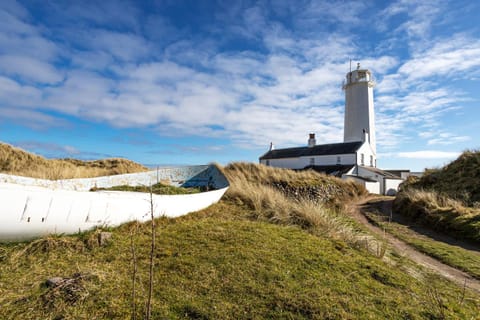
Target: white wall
(391,186)
(387,185)
(372,187)
(374,176)
(359,109)
(302,162)
(367,151)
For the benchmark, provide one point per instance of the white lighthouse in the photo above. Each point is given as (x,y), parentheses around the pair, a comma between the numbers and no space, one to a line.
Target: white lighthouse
(359,114)
(355,158)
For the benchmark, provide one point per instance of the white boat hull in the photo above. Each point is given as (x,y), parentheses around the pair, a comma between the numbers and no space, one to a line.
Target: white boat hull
(28,210)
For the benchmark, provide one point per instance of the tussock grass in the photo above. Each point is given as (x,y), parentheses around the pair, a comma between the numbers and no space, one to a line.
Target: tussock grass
(459,180)
(18,162)
(439,213)
(262,190)
(312,185)
(158,188)
(446,199)
(213,268)
(246,257)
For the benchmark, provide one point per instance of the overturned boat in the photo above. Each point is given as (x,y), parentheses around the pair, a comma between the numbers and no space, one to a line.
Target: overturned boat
(35,207)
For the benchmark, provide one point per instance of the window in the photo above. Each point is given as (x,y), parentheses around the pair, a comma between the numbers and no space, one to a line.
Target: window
(312,161)
(371,161)
(268,162)
(362,159)
(339,159)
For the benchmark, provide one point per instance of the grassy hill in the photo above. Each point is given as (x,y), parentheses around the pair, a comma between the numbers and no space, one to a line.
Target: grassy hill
(277,246)
(458,180)
(446,199)
(19,162)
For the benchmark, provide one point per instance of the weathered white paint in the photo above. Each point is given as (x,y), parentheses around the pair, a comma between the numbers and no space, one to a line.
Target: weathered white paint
(359,110)
(30,210)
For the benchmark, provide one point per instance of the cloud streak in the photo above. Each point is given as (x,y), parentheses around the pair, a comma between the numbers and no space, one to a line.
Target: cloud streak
(285,83)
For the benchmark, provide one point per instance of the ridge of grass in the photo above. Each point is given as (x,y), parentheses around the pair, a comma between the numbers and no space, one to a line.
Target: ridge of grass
(210,267)
(262,252)
(439,213)
(19,162)
(445,199)
(457,180)
(158,188)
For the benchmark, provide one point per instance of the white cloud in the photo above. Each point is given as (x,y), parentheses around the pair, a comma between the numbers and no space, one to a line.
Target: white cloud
(123,46)
(30,69)
(445,138)
(455,57)
(429,154)
(289,87)
(421,16)
(13,94)
(48,147)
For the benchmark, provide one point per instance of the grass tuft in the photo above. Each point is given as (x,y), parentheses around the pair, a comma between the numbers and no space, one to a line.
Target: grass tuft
(277,246)
(446,199)
(19,162)
(439,213)
(158,188)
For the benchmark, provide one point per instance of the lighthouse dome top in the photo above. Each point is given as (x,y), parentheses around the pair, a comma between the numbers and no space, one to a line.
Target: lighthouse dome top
(358,76)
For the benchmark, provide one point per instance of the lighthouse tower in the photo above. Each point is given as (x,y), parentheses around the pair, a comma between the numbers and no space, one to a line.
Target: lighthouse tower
(359,114)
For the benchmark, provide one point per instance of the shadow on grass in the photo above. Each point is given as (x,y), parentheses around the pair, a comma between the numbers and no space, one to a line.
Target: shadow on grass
(382,207)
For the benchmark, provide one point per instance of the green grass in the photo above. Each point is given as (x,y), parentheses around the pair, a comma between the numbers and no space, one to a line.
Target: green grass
(260,253)
(439,213)
(455,256)
(446,199)
(457,180)
(220,264)
(158,188)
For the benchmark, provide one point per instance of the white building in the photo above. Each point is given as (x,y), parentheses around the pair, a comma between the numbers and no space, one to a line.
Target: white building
(356,157)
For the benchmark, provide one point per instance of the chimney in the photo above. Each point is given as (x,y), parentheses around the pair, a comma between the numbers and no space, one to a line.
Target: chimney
(365,136)
(311,140)
(272,146)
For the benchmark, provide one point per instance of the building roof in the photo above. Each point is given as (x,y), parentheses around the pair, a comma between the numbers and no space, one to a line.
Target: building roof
(334,170)
(385,174)
(318,150)
(397,173)
(361,178)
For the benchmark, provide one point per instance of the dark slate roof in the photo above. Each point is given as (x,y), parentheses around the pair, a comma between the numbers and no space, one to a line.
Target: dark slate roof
(386,174)
(362,178)
(319,150)
(397,173)
(334,170)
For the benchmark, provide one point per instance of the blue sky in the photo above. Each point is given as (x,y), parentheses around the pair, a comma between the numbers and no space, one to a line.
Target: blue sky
(190,82)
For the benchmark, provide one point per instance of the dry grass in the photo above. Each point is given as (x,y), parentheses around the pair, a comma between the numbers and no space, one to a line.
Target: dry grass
(18,162)
(459,179)
(311,185)
(440,212)
(263,190)
(446,199)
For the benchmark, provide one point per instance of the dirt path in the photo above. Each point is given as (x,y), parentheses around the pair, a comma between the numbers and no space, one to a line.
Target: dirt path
(410,252)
